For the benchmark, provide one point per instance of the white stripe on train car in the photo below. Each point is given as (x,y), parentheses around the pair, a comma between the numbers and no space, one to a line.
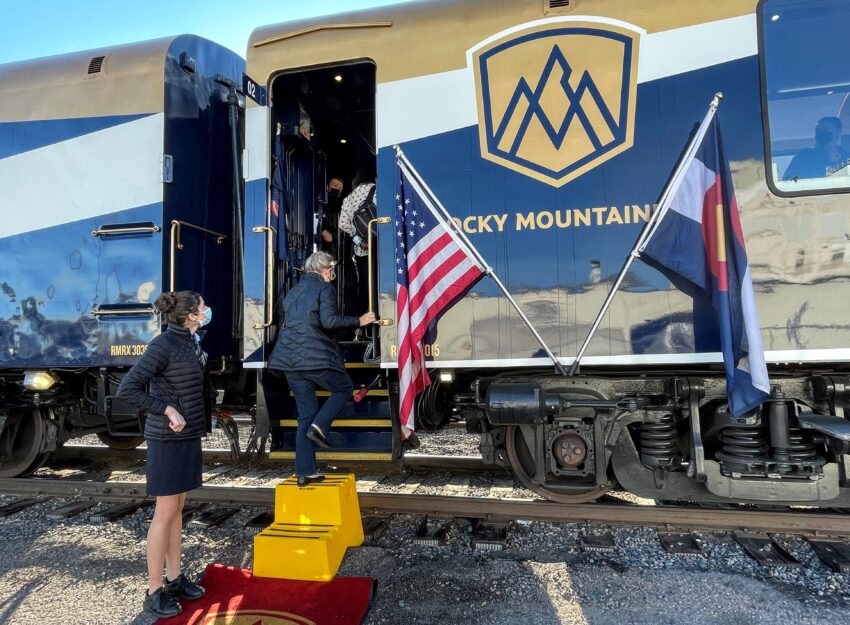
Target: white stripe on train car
(772,357)
(443,102)
(256,161)
(95,174)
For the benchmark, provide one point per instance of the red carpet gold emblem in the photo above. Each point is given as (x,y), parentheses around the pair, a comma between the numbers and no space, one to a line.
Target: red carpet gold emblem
(254,617)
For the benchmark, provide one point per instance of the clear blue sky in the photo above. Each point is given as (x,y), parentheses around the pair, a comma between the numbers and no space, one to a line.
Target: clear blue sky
(36,28)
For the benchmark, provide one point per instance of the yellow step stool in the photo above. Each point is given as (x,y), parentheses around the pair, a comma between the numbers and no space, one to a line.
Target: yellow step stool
(313,526)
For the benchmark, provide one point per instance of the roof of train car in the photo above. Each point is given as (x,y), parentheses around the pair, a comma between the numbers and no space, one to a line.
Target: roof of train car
(130,82)
(431,36)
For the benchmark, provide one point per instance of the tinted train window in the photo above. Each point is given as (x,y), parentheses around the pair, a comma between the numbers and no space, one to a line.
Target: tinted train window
(806,57)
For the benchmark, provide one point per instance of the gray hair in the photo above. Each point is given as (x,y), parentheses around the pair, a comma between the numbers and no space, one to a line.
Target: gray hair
(319,261)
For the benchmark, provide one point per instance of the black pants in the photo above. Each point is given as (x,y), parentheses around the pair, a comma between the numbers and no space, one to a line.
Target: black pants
(361,298)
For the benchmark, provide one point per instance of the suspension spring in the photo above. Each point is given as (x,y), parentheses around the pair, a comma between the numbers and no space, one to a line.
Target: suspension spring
(659,445)
(745,442)
(800,449)
(745,449)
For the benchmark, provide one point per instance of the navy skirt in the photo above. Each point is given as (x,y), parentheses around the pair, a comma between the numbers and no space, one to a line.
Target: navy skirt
(173,467)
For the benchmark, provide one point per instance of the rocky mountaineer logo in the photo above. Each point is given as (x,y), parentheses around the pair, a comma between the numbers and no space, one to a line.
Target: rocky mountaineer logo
(556,99)
(254,617)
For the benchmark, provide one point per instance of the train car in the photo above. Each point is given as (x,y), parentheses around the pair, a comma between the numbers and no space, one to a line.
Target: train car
(119,172)
(548,129)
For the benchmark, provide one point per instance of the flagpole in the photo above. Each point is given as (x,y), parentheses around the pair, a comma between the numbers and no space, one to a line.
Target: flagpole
(652,224)
(411,171)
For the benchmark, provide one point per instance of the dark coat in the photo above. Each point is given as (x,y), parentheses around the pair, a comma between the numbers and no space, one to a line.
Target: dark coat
(176,377)
(311,318)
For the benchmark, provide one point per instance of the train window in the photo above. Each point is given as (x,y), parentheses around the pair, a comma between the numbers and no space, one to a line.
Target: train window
(806,64)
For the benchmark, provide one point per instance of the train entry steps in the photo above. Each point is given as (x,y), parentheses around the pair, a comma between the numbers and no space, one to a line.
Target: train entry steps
(362,431)
(313,526)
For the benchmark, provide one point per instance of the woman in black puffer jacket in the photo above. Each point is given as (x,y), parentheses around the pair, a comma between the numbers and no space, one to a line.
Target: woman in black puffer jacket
(168,384)
(307,352)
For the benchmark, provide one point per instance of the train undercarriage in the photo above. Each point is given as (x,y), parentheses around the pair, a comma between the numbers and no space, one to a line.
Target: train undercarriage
(665,438)
(571,440)
(40,410)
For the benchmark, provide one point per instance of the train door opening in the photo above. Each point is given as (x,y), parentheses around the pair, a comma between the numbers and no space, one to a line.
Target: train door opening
(323,151)
(323,137)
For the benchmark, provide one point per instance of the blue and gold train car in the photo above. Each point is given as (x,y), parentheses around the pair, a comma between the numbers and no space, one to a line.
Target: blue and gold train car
(117,178)
(548,130)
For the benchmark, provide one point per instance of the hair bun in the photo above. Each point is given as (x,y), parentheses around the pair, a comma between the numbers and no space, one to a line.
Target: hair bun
(166,302)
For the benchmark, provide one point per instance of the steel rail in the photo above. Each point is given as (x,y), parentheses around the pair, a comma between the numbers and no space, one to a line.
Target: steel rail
(667,517)
(411,461)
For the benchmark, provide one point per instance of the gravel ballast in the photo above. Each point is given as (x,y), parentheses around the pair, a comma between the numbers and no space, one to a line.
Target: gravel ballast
(77,571)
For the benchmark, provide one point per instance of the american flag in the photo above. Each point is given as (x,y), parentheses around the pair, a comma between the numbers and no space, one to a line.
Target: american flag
(434,269)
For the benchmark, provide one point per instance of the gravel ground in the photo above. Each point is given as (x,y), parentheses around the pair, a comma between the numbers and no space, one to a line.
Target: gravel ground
(76,571)
(542,577)
(449,442)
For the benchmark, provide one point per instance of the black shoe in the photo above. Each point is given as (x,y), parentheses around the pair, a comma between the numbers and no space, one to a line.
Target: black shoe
(304,480)
(317,437)
(182,588)
(161,604)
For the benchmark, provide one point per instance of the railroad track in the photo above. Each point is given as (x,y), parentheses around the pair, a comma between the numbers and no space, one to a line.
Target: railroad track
(99,453)
(800,522)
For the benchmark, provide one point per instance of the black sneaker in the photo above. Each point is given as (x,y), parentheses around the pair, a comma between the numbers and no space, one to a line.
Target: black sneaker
(161,604)
(315,435)
(304,480)
(182,588)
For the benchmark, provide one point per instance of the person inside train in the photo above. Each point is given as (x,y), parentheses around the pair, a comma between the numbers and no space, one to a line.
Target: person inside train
(170,383)
(825,158)
(308,354)
(362,194)
(330,216)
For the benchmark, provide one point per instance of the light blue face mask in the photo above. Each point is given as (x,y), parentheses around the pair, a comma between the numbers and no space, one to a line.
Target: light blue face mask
(207,317)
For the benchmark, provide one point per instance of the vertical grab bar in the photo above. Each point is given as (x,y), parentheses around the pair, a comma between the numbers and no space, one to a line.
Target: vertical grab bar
(269,275)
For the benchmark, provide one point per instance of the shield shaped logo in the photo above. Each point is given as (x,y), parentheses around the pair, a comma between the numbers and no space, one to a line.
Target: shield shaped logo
(557,98)
(254,617)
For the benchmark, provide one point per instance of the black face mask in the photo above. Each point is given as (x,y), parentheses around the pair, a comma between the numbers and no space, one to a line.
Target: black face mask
(334,194)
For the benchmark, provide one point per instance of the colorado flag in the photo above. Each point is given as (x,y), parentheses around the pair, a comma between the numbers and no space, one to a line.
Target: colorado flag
(698,244)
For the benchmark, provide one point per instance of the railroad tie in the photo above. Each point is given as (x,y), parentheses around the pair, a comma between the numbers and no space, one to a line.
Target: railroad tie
(680,542)
(410,485)
(213,516)
(119,511)
(833,553)
(215,472)
(599,542)
(70,510)
(763,549)
(457,487)
(368,482)
(261,520)
(16,506)
(502,488)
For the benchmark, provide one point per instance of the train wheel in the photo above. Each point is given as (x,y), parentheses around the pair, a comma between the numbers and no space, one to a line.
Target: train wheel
(20,443)
(562,490)
(120,443)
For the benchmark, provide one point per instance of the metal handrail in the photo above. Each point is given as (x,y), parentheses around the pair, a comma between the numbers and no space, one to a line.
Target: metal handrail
(379,220)
(269,275)
(128,230)
(125,311)
(177,244)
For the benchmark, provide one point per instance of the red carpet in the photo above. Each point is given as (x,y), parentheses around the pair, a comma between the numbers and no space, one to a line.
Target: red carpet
(235,597)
